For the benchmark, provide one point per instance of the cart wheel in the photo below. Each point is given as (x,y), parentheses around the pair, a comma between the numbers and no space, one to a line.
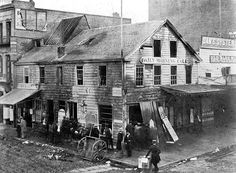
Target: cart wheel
(99,150)
(81,147)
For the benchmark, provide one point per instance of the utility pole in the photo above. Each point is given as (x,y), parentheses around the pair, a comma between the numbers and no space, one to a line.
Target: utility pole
(124,118)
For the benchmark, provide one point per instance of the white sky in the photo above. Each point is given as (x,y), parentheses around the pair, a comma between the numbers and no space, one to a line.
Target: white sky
(137,10)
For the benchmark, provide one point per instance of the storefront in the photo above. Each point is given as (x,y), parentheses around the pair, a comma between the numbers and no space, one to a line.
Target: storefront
(20,102)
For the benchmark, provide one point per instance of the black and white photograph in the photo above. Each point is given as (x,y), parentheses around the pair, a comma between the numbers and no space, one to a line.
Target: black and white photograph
(117,86)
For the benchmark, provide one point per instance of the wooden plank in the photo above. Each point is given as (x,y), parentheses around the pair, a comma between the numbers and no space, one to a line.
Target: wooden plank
(167,124)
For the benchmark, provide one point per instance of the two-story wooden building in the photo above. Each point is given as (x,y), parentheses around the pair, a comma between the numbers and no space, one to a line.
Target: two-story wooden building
(96,81)
(22,26)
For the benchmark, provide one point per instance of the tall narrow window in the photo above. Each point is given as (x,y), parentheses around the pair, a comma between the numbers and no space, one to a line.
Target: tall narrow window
(157,48)
(173,75)
(73,110)
(1,33)
(157,75)
(8,66)
(188,69)
(102,75)
(59,75)
(80,79)
(42,74)
(1,65)
(8,28)
(173,49)
(26,75)
(139,75)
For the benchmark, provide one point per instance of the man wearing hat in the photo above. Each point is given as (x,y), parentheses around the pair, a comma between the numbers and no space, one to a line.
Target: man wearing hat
(155,155)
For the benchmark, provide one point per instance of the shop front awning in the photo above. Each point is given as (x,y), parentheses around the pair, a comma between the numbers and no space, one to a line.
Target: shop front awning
(197,89)
(17,95)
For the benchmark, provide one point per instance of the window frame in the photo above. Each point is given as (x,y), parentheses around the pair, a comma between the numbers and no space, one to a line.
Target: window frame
(158,50)
(76,68)
(99,75)
(24,79)
(208,74)
(40,74)
(173,77)
(154,75)
(136,75)
(173,51)
(1,65)
(59,76)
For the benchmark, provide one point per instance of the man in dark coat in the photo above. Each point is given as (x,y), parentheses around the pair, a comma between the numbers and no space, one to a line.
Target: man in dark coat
(155,155)
(128,143)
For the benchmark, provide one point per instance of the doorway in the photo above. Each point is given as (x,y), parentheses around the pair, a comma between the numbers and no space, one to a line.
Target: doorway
(50,112)
(105,116)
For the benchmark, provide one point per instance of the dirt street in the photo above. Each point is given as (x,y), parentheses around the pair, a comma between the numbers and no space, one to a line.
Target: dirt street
(20,157)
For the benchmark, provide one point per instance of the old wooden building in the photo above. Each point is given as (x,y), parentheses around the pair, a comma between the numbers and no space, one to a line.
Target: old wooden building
(95,79)
(22,26)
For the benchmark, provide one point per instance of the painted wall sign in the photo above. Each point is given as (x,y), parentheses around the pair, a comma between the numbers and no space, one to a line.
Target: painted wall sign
(27,86)
(222,59)
(30,19)
(156,60)
(214,42)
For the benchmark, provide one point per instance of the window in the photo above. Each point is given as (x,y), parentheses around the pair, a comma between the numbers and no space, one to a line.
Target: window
(139,75)
(59,75)
(102,75)
(72,110)
(173,49)
(157,48)
(1,65)
(1,33)
(188,69)
(80,75)
(8,66)
(42,74)
(157,75)
(208,74)
(26,75)
(8,27)
(173,75)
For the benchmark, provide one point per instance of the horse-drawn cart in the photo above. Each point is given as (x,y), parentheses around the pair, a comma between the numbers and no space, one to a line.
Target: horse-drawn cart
(92,148)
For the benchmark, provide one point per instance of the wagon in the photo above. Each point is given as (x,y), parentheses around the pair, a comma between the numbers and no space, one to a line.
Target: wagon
(92,148)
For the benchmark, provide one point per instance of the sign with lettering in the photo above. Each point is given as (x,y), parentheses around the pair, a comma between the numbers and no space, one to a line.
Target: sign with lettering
(214,42)
(156,60)
(222,59)
(117,91)
(27,86)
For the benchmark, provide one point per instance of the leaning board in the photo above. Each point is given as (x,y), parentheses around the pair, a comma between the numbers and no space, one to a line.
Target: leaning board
(167,124)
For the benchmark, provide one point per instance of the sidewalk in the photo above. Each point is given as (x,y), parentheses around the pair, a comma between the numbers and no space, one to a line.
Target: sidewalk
(188,146)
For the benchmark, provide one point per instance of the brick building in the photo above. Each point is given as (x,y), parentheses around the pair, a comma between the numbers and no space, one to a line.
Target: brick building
(22,25)
(89,81)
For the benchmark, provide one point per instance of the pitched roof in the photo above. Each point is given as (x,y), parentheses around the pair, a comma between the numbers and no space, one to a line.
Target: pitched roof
(66,30)
(104,43)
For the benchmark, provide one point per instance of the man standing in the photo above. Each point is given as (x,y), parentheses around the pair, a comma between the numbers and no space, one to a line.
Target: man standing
(155,155)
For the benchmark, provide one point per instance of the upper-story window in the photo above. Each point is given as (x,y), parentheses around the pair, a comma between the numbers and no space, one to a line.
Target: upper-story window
(188,69)
(26,74)
(59,75)
(139,75)
(157,48)
(8,28)
(208,74)
(1,65)
(8,67)
(173,49)
(42,74)
(80,78)
(173,78)
(102,75)
(157,75)
(1,33)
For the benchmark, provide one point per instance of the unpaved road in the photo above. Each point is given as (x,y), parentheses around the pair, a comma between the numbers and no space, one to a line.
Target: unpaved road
(19,157)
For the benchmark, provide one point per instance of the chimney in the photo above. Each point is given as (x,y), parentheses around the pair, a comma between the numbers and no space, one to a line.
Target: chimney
(60,51)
